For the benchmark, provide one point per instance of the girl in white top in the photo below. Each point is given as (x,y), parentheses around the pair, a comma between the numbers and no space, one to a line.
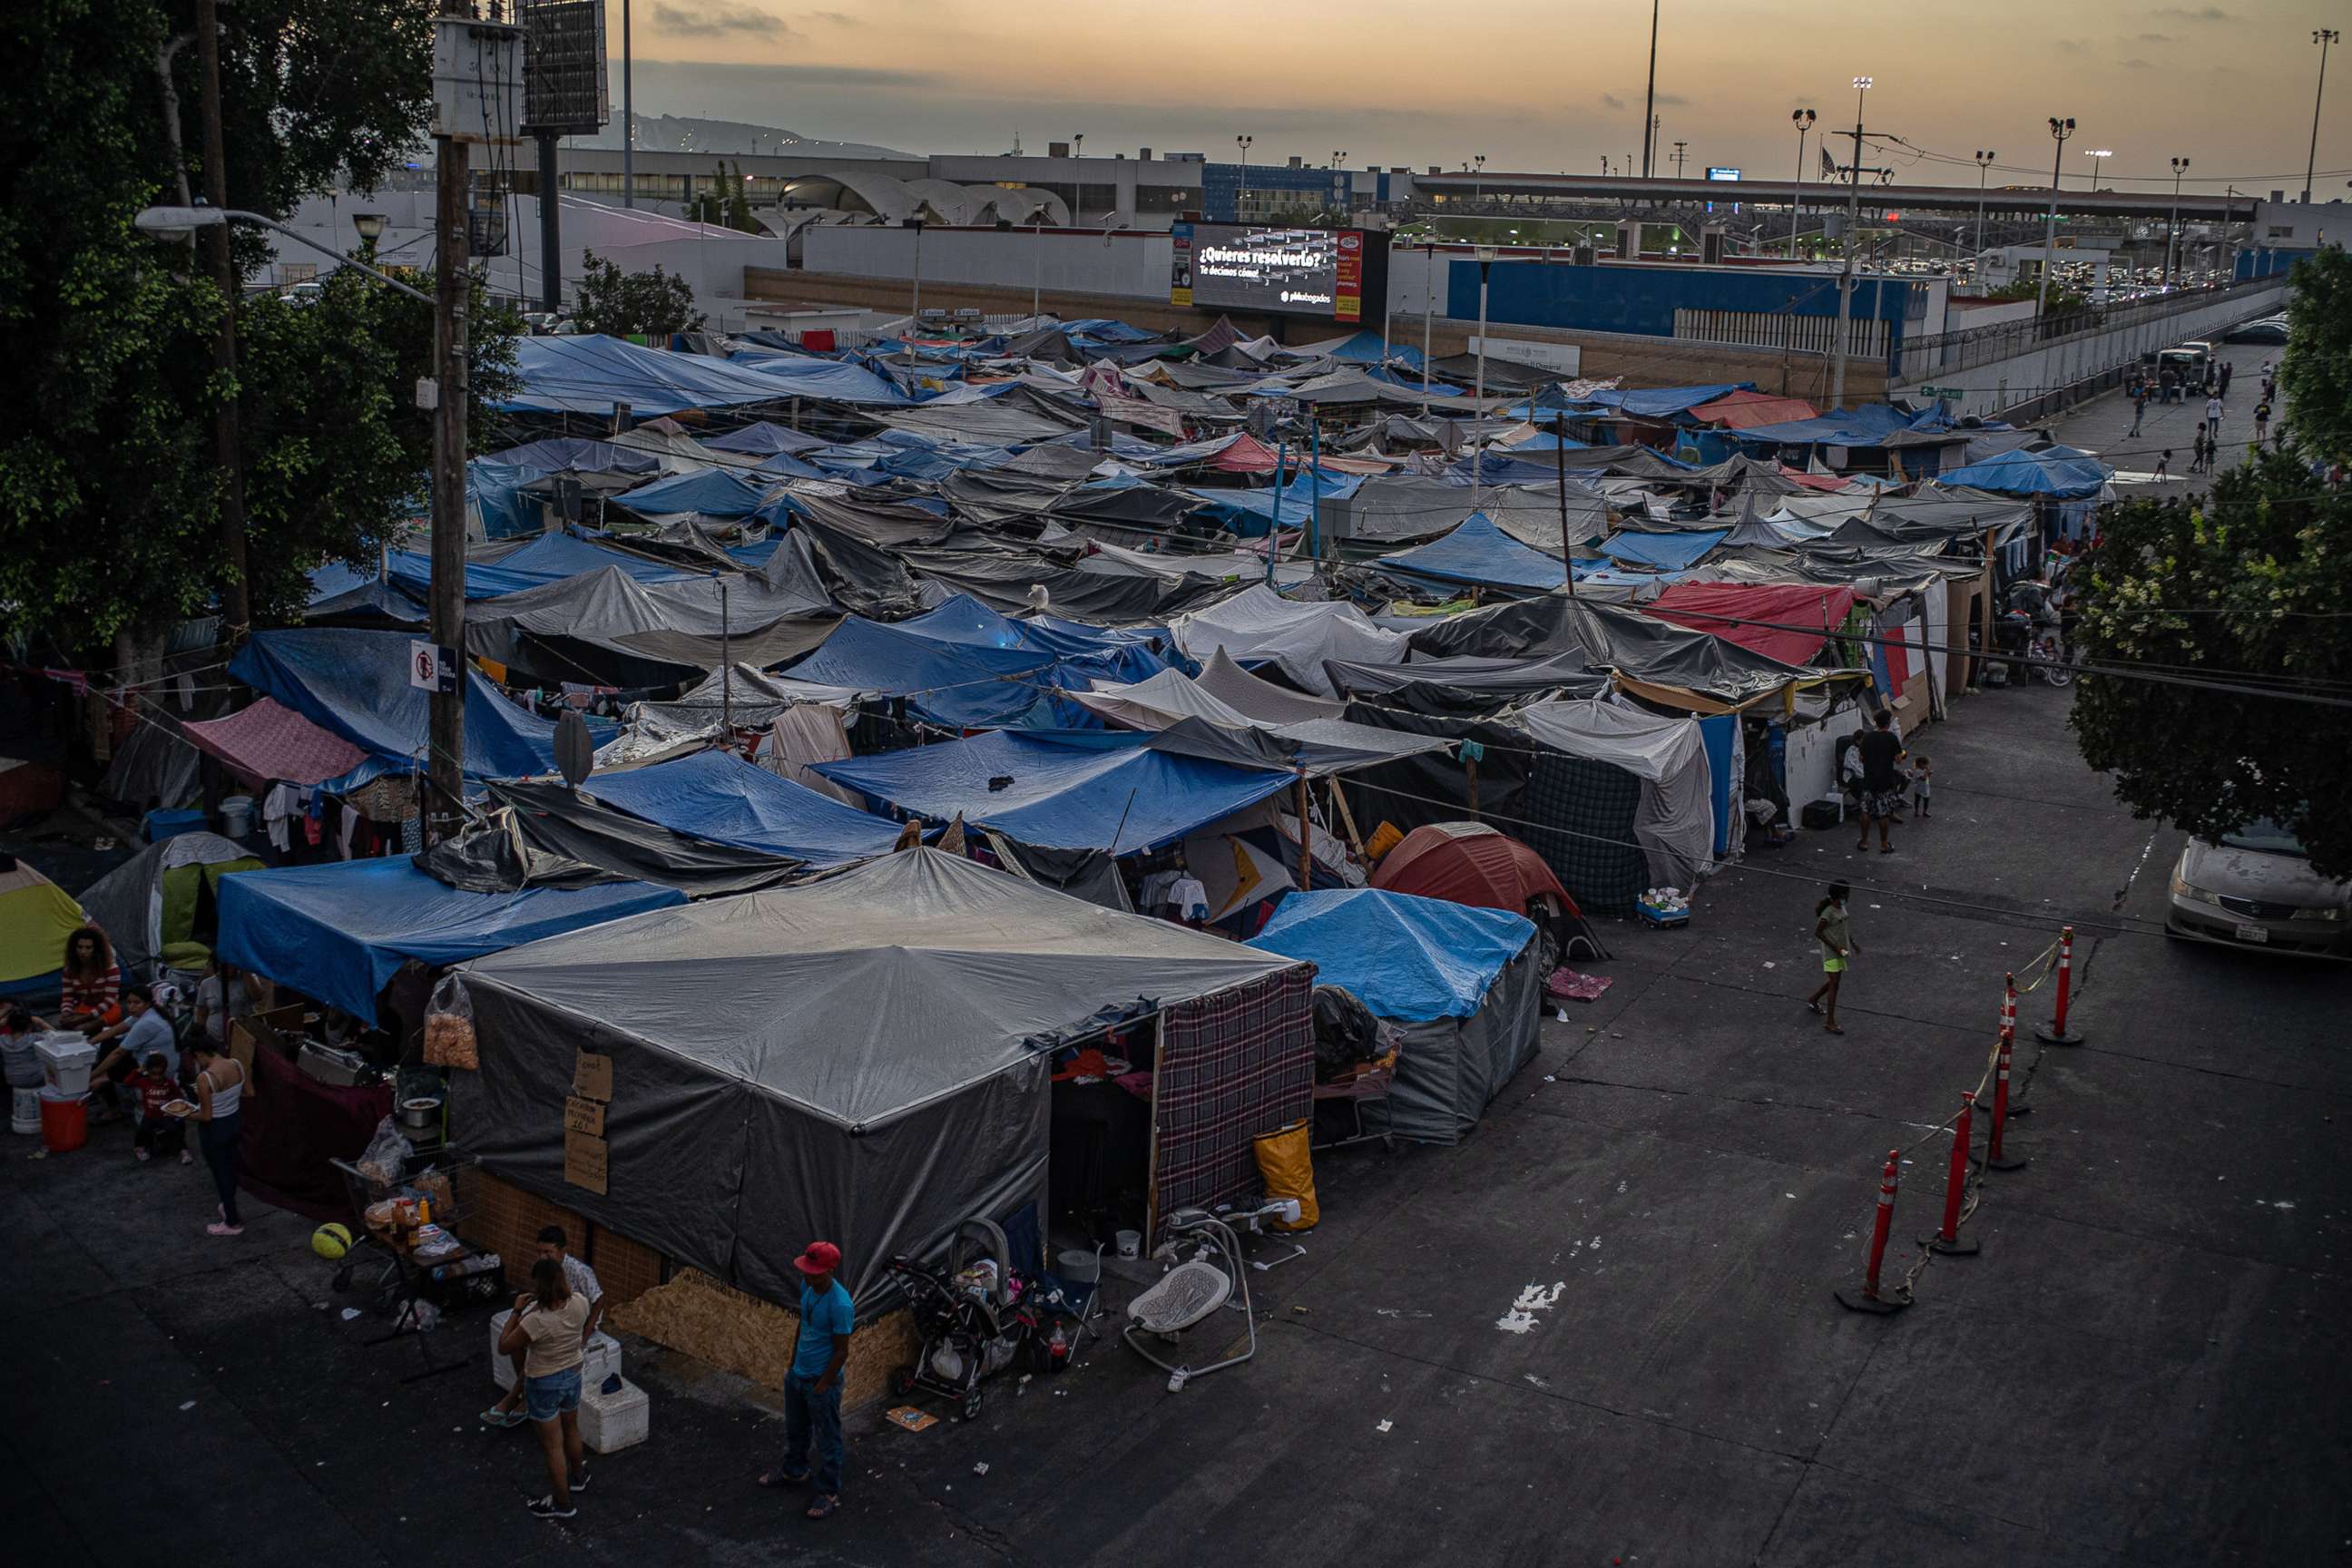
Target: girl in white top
(220,1090)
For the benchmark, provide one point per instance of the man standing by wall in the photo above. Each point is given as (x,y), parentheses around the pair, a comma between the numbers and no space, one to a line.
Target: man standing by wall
(813,1388)
(1882,782)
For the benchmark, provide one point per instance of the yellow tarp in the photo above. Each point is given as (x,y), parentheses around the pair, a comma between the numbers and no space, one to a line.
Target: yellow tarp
(35,917)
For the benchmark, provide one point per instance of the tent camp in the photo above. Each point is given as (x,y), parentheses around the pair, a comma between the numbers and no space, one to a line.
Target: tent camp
(719,796)
(865,1058)
(160,907)
(1259,625)
(1462,983)
(1674,821)
(340,929)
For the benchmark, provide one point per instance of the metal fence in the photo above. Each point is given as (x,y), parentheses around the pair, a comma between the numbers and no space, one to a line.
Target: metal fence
(1949,352)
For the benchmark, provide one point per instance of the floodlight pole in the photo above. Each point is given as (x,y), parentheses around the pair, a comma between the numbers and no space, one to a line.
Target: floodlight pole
(236,611)
(1486,254)
(1845,272)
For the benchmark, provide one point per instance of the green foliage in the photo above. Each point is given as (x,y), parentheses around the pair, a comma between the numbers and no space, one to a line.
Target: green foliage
(2249,585)
(2316,372)
(109,494)
(622,304)
(723,204)
(2064,301)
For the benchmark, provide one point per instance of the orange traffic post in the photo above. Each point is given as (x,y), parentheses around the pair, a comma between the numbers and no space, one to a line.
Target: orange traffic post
(1947,1242)
(2055,1032)
(1996,1158)
(1868,1299)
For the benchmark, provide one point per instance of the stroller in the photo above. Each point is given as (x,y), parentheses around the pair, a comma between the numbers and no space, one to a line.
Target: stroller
(976,1319)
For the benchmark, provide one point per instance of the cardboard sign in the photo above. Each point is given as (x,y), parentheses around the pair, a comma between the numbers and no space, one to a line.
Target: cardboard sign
(593,1077)
(583,1116)
(583,1160)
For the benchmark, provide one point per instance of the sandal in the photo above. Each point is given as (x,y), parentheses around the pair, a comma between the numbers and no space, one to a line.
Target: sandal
(823,1506)
(1815,1008)
(1833,1028)
(775,1480)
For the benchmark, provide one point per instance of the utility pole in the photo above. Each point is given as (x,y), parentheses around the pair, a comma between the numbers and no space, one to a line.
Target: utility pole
(236,611)
(628,115)
(1559,468)
(451,303)
(550,227)
(1803,119)
(1650,93)
(2323,37)
(2059,131)
(1678,158)
(1984,168)
(1854,233)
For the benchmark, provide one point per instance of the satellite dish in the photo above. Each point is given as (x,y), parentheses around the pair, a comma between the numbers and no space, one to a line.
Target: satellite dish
(574,754)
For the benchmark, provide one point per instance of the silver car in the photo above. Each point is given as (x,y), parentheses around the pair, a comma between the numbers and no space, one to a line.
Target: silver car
(2256,888)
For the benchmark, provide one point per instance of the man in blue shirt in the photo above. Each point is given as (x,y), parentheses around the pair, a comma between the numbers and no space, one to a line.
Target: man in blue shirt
(813,1388)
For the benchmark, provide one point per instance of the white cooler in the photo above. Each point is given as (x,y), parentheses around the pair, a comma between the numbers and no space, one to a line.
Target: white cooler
(66,1060)
(600,1359)
(610,1422)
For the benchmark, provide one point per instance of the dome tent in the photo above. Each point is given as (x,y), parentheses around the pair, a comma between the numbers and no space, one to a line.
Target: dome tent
(159,908)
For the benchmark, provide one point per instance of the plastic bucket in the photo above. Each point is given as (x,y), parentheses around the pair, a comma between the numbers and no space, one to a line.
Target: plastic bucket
(1130,1244)
(64,1121)
(237,815)
(27,1116)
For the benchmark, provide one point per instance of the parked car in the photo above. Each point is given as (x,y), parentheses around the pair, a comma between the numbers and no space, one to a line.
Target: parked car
(2255,887)
(2268,330)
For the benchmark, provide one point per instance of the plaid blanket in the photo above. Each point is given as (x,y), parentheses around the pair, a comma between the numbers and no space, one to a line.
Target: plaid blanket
(1232,1065)
(1583,810)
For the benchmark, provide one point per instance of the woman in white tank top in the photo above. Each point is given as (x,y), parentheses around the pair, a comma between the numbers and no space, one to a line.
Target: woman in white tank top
(220,1092)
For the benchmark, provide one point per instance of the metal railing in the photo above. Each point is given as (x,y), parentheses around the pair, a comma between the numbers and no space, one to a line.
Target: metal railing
(1948,352)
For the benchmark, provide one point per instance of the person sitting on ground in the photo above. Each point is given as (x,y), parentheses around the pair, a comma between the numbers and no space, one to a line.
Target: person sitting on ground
(1882,782)
(90,996)
(1922,786)
(18,1024)
(545,1330)
(143,1033)
(582,1280)
(160,1132)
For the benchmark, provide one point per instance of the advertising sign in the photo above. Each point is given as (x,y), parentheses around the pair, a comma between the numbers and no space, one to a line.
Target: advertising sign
(1323,272)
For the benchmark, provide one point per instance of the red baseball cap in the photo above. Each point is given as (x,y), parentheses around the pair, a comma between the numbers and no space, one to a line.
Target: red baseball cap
(822,1257)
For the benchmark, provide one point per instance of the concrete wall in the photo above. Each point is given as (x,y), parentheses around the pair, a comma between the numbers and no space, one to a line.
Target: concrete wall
(1120,264)
(2043,380)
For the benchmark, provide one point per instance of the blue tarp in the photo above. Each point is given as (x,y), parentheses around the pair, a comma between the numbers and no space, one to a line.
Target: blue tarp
(1498,467)
(2034,474)
(1093,652)
(763,439)
(577,455)
(714,492)
(1868,426)
(1716,733)
(355,683)
(804,375)
(961,685)
(1250,512)
(1478,552)
(1667,552)
(340,930)
(1407,958)
(591,374)
(1095,792)
(550,558)
(1662,402)
(495,491)
(719,796)
(337,590)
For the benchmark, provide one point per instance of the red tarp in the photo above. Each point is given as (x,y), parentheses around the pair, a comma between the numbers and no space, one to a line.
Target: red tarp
(1247,455)
(1716,606)
(268,743)
(1746,410)
(1829,483)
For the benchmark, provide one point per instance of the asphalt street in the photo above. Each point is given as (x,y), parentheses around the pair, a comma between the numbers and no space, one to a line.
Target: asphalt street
(2147,1364)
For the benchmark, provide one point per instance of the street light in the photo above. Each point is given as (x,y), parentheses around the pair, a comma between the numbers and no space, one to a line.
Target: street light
(1984,167)
(370,227)
(2059,131)
(2172,233)
(1803,119)
(1478,180)
(1241,200)
(1078,145)
(178,223)
(2097,153)
(1862,86)
(2323,37)
(1486,255)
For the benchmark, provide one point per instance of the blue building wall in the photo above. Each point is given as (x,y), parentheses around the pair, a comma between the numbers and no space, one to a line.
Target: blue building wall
(1221,187)
(1644,299)
(2266,262)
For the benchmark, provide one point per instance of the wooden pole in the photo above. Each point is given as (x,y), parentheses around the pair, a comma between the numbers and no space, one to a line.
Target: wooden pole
(452,299)
(1306,837)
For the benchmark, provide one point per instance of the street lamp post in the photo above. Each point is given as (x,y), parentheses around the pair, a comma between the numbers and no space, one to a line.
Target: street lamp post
(1486,254)
(1649,95)
(2172,231)
(1984,167)
(1862,85)
(1803,119)
(2323,37)
(176,223)
(2097,153)
(915,306)
(1479,179)
(1242,198)
(369,227)
(2059,131)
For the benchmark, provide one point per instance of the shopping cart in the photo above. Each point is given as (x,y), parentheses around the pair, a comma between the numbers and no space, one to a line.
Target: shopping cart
(411,1292)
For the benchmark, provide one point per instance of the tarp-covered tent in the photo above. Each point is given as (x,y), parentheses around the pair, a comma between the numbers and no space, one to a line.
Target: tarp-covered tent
(720,797)
(1461,982)
(1259,625)
(964,685)
(2063,473)
(159,908)
(340,930)
(1675,822)
(265,744)
(608,625)
(550,558)
(1114,791)
(863,1058)
(36,918)
(591,374)
(1481,554)
(355,683)
(1788,621)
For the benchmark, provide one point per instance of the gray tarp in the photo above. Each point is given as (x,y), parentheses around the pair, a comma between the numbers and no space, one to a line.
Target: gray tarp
(1451,1069)
(1676,819)
(848,1059)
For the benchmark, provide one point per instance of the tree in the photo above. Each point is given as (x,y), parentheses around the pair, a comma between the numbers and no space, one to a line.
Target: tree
(110,495)
(739,206)
(2249,587)
(626,304)
(2316,372)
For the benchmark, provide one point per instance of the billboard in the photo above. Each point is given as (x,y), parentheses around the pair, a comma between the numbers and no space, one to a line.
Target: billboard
(1722,173)
(563,90)
(1327,273)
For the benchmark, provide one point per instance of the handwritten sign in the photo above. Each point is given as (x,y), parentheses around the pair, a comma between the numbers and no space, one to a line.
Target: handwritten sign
(593,1077)
(583,1116)
(585,1159)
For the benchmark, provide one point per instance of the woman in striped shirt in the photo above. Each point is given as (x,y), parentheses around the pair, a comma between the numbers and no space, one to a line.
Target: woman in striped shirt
(91,993)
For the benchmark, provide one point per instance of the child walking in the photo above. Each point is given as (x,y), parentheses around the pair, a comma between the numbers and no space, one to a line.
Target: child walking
(1922,786)
(1833,928)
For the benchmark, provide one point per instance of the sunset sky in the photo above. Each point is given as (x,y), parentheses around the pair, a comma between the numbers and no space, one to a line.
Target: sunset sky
(1533,84)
